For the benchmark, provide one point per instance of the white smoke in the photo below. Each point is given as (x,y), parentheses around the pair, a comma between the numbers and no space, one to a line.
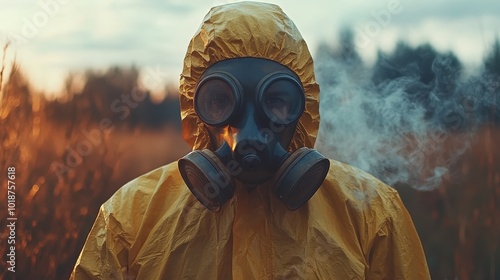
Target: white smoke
(401,130)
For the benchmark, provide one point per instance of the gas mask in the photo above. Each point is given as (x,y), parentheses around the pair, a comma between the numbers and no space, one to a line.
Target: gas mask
(251,107)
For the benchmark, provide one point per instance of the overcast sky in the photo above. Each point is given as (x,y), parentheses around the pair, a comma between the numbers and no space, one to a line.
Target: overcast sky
(53,37)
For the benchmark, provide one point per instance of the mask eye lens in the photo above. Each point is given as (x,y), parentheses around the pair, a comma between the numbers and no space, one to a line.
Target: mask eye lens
(215,102)
(283,101)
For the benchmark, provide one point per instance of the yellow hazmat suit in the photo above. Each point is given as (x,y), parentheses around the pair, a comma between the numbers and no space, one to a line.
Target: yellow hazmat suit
(354,227)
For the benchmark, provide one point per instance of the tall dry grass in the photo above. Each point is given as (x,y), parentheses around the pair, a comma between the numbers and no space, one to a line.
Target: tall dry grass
(56,206)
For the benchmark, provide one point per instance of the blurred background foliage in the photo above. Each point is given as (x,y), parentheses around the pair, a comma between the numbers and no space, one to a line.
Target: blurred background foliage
(69,161)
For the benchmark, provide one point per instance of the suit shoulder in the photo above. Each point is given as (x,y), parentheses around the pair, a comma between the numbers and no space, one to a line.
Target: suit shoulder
(362,194)
(142,188)
(125,210)
(357,184)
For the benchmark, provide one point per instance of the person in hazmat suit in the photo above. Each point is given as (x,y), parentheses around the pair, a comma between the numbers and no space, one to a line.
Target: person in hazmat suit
(253,200)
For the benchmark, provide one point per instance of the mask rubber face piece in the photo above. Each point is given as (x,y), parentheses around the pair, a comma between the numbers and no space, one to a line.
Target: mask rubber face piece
(251,108)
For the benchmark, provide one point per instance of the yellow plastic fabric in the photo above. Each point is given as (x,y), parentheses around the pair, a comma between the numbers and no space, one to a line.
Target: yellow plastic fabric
(354,227)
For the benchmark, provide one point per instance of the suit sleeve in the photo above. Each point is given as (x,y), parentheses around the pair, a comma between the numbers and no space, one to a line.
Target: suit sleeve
(396,251)
(103,256)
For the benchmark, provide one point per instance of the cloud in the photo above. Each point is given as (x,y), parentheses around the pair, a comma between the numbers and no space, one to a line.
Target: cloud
(157,32)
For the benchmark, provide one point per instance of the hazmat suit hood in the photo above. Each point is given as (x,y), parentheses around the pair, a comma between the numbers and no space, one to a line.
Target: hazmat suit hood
(248,29)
